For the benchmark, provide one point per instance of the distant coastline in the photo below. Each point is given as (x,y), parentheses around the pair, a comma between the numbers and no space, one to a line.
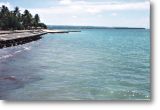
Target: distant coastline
(89,27)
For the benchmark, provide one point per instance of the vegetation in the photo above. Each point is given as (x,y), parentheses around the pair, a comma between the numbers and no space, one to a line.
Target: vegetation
(14,20)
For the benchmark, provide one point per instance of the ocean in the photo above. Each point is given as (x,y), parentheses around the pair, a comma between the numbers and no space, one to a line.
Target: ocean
(94,64)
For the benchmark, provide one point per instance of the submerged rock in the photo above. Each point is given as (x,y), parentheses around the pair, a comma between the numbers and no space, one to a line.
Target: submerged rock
(12,78)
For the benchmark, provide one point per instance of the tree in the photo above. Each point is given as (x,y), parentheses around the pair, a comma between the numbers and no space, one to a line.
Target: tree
(42,25)
(16,19)
(16,11)
(36,20)
(27,19)
(4,13)
(11,20)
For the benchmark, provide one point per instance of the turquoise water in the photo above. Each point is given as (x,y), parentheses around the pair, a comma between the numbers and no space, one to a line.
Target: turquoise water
(95,64)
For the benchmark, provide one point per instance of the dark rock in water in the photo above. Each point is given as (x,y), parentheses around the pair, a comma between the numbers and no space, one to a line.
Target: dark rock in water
(9,83)
(12,78)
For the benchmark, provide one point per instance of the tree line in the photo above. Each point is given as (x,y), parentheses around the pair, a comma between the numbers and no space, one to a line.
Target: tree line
(14,20)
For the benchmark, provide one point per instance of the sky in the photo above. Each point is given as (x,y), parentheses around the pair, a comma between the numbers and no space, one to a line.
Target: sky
(109,13)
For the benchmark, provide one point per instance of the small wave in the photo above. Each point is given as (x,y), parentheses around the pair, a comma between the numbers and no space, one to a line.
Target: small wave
(27,48)
(9,53)
(6,56)
(17,51)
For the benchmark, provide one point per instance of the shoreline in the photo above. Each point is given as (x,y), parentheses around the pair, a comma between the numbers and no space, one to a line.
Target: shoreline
(59,31)
(17,37)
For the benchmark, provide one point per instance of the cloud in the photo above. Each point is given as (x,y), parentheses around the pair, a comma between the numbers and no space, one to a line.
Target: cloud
(80,6)
(74,16)
(6,4)
(86,12)
(117,7)
(65,2)
(72,9)
(93,8)
(114,14)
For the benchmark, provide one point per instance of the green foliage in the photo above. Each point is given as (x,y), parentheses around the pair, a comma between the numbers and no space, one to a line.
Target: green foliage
(42,25)
(14,20)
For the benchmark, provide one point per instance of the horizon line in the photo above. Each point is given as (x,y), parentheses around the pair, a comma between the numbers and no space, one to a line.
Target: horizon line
(100,26)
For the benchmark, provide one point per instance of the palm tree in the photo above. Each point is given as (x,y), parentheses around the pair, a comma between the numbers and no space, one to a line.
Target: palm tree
(4,17)
(36,20)
(42,25)
(4,10)
(16,11)
(15,20)
(27,19)
(1,23)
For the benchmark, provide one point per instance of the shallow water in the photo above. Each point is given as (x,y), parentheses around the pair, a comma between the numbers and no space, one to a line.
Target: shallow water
(95,64)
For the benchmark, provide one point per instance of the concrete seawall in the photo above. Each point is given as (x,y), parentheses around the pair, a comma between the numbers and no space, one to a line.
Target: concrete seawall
(13,38)
(60,31)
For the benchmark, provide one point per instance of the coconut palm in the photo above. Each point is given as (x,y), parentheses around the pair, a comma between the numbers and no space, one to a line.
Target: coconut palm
(36,20)
(16,11)
(27,19)
(15,20)
(4,13)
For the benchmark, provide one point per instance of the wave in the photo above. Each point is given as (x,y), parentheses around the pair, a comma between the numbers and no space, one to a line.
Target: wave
(10,52)
(6,56)
(27,48)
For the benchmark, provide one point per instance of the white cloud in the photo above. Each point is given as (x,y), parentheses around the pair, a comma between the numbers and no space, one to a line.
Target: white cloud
(114,14)
(74,16)
(6,4)
(117,6)
(73,8)
(93,8)
(65,2)
(99,15)
(80,6)
(84,12)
